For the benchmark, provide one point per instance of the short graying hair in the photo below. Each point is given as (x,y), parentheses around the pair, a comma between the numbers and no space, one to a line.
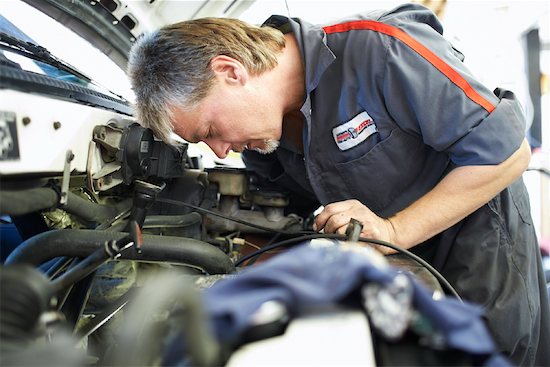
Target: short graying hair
(171,66)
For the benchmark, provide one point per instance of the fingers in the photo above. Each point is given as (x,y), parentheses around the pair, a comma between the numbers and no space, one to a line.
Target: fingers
(335,216)
(337,223)
(342,229)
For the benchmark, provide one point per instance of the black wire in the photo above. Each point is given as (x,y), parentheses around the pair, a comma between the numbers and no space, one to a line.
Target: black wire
(444,282)
(59,266)
(209,212)
(306,235)
(283,243)
(411,255)
(269,243)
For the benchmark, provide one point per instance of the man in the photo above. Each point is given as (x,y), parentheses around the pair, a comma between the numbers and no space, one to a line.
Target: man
(377,118)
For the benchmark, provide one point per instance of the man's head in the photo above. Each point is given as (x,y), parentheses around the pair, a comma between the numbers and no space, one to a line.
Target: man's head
(182,76)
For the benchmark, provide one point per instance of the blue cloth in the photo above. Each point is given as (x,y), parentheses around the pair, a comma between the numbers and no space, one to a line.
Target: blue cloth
(324,273)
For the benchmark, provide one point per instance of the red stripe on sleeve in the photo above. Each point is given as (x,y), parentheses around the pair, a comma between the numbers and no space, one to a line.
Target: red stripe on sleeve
(432,58)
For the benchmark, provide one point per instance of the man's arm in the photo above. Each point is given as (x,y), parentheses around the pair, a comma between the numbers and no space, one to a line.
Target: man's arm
(460,193)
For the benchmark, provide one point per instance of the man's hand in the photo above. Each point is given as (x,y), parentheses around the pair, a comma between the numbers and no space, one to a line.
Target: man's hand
(458,194)
(335,218)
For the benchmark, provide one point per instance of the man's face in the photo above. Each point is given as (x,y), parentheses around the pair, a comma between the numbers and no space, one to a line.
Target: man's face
(231,118)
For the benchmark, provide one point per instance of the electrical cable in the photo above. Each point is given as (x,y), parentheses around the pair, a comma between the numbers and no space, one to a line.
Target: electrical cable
(306,235)
(444,282)
(270,242)
(59,266)
(247,243)
(209,212)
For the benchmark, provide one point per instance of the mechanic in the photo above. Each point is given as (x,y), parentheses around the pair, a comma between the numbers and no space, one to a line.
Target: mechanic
(376,118)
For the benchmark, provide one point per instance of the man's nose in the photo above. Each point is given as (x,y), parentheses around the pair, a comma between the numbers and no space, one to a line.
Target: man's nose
(221,149)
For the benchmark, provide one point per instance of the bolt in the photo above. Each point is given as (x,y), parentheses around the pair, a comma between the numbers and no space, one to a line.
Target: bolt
(56,125)
(26,120)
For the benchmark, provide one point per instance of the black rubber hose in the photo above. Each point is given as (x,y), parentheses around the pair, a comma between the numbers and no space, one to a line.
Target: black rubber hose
(81,270)
(27,201)
(82,242)
(22,202)
(93,212)
(184,220)
(24,295)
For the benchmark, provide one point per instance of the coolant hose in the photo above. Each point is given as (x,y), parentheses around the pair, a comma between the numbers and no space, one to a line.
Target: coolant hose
(93,212)
(82,242)
(27,201)
(183,220)
(21,202)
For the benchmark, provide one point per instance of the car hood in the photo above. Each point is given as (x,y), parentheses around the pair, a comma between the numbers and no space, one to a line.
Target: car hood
(112,26)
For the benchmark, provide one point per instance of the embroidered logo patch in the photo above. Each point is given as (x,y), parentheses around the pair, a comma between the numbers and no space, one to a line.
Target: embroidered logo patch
(353,132)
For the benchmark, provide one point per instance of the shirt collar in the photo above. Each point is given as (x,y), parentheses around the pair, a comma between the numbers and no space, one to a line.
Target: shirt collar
(311,39)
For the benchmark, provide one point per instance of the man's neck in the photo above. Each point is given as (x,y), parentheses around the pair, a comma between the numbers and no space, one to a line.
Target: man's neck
(291,73)
(293,127)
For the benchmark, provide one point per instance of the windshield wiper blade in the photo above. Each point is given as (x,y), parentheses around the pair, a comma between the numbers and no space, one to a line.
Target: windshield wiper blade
(4,61)
(38,53)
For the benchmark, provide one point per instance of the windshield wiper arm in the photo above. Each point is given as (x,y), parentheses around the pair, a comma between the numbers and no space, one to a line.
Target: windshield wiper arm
(38,53)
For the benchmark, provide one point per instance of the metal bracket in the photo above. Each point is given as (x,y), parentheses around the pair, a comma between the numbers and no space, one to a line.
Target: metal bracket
(69,156)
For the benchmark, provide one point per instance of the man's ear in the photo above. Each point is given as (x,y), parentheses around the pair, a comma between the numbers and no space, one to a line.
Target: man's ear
(229,70)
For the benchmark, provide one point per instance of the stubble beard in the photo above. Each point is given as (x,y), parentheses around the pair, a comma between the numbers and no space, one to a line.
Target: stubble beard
(270,145)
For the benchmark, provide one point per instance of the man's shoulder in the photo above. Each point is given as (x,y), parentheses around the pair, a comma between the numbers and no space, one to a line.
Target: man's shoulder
(411,12)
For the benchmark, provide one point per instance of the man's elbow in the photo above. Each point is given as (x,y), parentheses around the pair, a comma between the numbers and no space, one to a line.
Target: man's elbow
(520,159)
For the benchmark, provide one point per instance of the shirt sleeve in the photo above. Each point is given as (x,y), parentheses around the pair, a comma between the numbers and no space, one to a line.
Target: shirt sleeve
(428,91)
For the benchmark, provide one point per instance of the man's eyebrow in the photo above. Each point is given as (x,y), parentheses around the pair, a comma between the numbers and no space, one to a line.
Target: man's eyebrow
(195,138)
(198,137)
(181,132)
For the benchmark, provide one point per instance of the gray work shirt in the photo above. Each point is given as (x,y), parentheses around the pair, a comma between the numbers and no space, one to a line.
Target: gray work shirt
(390,110)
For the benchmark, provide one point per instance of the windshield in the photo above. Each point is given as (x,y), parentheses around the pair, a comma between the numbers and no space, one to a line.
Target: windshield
(19,21)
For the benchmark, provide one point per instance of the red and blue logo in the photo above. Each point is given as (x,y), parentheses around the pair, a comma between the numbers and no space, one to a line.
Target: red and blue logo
(355,131)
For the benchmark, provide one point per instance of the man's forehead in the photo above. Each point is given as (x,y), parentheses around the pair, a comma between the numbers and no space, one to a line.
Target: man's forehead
(185,125)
